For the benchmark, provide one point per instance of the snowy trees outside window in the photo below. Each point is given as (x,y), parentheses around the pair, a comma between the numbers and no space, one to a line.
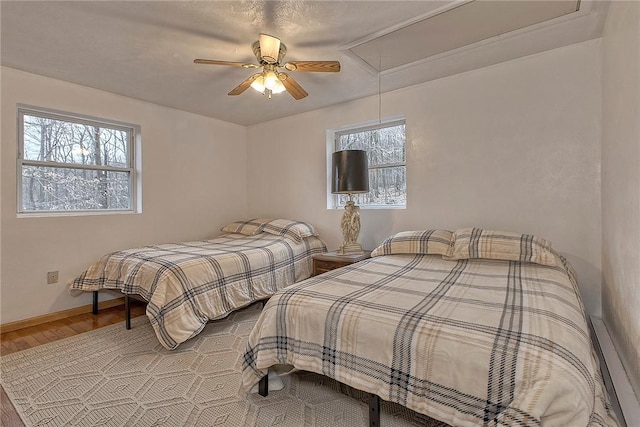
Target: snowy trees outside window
(385,145)
(68,164)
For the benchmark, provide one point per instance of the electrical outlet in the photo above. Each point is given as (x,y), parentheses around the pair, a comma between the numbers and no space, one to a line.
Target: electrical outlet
(52,277)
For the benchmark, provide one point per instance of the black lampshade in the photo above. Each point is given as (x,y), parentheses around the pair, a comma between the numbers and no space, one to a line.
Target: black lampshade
(349,172)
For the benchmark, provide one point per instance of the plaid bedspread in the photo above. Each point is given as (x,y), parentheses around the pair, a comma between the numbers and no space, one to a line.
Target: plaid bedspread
(188,284)
(468,342)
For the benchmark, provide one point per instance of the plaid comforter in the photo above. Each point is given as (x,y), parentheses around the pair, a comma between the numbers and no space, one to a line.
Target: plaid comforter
(188,284)
(468,342)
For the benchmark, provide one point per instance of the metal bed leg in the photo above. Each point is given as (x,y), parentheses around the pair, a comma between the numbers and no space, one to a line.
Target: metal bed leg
(374,410)
(127,309)
(94,310)
(263,386)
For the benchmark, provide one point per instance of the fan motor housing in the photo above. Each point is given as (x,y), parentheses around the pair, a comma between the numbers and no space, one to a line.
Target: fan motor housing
(256,51)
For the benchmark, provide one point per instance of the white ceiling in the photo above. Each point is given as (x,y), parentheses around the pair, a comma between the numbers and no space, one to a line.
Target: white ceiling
(145,49)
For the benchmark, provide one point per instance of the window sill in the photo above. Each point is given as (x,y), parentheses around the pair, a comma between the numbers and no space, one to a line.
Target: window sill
(370,207)
(78,213)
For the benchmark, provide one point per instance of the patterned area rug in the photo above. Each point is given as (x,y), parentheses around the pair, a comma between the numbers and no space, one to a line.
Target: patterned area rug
(114,377)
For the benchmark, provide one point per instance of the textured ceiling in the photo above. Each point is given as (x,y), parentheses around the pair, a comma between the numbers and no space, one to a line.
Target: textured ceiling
(145,49)
(473,21)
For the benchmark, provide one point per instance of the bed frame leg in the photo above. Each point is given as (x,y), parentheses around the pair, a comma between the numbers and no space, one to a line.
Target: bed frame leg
(263,386)
(374,410)
(127,309)
(94,310)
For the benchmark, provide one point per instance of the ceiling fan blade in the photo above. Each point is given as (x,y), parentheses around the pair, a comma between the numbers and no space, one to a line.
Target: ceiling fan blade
(317,66)
(233,64)
(269,48)
(292,86)
(244,85)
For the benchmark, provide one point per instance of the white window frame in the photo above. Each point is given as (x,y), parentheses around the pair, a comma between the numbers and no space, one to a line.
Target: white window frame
(332,146)
(133,166)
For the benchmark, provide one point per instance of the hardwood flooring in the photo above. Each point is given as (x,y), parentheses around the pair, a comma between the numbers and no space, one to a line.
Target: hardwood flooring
(13,341)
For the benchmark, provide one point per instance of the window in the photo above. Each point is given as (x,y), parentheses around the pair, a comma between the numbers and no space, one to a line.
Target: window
(71,163)
(385,145)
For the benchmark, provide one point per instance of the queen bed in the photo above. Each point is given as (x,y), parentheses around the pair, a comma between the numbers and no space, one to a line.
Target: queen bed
(472,327)
(189,283)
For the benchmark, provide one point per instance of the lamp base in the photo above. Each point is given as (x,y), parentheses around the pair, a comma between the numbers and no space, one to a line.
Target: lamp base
(350,249)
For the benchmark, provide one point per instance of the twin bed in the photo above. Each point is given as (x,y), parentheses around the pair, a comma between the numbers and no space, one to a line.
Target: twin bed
(188,284)
(472,327)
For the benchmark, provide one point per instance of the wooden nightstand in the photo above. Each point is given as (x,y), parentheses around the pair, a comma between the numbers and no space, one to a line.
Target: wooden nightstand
(331,260)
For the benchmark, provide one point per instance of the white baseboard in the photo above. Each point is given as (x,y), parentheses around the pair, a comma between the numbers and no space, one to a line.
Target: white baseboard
(622,396)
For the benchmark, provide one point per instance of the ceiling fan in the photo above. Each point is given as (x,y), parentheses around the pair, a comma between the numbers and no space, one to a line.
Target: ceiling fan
(269,52)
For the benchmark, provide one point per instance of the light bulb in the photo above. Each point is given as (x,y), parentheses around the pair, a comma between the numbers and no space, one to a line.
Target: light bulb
(279,87)
(258,84)
(271,80)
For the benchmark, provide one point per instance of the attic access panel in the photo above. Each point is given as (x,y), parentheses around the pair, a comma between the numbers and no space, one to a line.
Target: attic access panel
(460,26)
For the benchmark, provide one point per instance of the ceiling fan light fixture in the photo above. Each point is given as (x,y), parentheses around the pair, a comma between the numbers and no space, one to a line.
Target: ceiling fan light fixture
(279,87)
(270,52)
(258,84)
(271,80)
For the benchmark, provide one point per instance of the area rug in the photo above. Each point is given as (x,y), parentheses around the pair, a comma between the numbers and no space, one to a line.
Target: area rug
(114,377)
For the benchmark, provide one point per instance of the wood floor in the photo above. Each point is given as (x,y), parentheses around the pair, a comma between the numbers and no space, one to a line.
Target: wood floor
(10,342)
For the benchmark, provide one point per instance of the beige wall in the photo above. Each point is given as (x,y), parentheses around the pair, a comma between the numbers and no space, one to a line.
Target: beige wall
(514,146)
(621,183)
(194,181)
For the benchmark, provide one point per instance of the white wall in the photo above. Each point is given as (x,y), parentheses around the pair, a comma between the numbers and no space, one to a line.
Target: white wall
(194,181)
(514,146)
(621,183)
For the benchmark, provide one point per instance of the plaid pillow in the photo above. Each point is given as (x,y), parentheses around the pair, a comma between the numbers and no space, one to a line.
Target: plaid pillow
(436,242)
(294,230)
(490,244)
(248,228)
